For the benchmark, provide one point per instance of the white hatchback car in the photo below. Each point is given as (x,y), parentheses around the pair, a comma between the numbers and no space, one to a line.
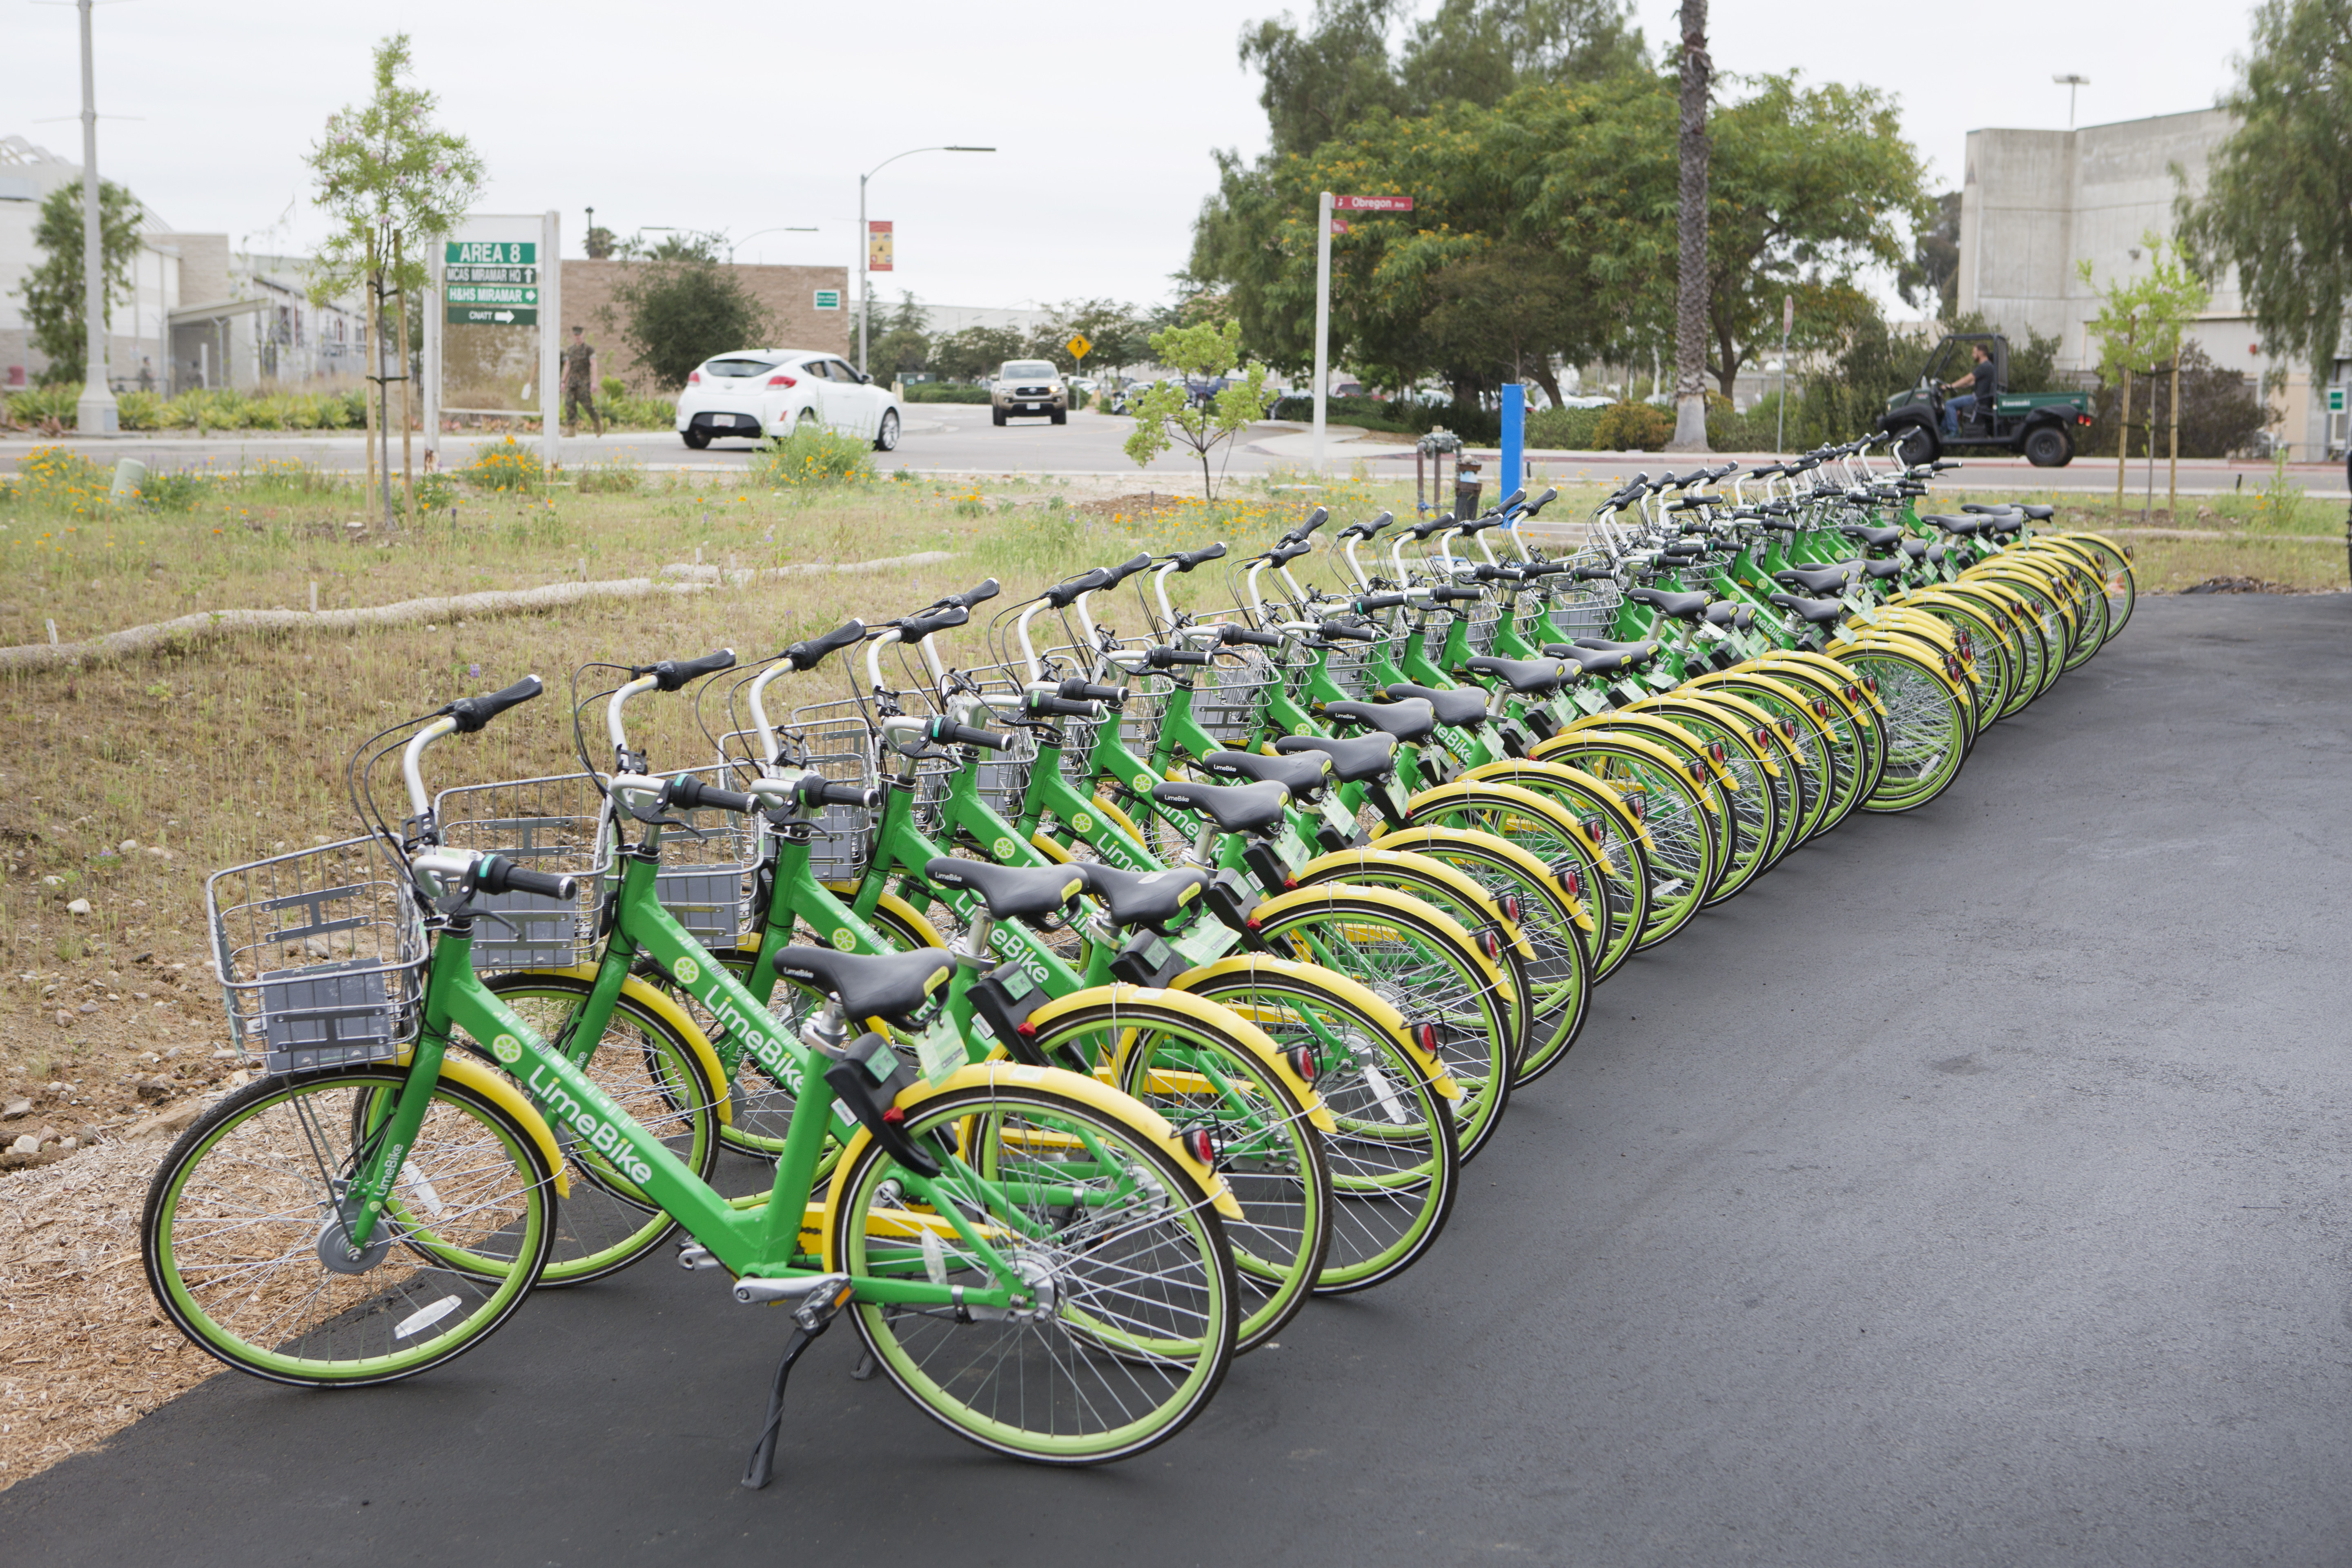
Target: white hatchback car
(757,393)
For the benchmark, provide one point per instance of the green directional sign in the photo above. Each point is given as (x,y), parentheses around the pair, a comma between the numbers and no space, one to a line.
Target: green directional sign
(490,253)
(491,294)
(828,299)
(492,316)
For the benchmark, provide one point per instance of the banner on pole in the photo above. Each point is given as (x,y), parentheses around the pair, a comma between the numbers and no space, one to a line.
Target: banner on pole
(877,245)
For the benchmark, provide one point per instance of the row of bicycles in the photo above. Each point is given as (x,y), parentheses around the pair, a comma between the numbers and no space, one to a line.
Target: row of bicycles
(1066,1006)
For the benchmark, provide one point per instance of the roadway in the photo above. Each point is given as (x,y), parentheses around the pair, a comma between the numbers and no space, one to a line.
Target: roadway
(1972,1191)
(954,440)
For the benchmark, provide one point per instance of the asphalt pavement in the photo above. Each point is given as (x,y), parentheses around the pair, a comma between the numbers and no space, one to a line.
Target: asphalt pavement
(955,438)
(1975,1190)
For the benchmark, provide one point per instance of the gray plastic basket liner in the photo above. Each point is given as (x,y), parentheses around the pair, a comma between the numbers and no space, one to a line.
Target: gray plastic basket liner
(328,1014)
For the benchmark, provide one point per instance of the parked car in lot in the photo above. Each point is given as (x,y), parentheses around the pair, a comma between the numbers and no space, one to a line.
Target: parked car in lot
(1029,387)
(757,393)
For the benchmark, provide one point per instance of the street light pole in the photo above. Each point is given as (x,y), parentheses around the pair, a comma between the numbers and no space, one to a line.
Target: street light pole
(94,411)
(733,245)
(2070,81)
(865,241)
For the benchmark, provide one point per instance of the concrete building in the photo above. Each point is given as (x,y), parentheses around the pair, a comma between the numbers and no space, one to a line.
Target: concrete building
(200,313)
(792,297)
(2035,203)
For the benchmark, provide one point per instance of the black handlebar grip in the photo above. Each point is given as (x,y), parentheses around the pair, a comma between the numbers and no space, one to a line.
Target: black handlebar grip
(1551,494)
(1228,634)
(1116,574)
(1371,601)
(473,713)
(1534,568)
(809,652)
(1428,526)
(1445,595)
(1169,657)
(915,628)
(1290,552)
(671,674)
(1045,704)
(1940,464)
(1591,573)
(980,595)
(499,875)
(1348,633)
(1189,559)
(1315,520)
(1367,530)
(693,794)
(1077,690)
(1492,519)
(942,732)
(1514,499)
(820,791)
(1062,595)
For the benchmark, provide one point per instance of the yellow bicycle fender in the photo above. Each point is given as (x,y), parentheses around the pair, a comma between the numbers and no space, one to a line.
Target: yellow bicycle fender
(1334,867)
(1823,666)
(1209,1014)
(1720,683)
(1076,1086)
(1049,849)
(899,907)
(1893,646)
(461,1068)
(1633,740)
(1370,1001)
(1125,823)
(663,1005)
(1495,779)
(1282,904)
(1665,704)
(1414,839)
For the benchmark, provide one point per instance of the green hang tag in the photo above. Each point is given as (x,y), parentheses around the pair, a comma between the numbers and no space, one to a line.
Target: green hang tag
(1341,819)
(1852,603)
(1397,797)
(1207,942)
(1592,702)
(1660,679)
(1290,847)
(1563,708)
(939,1050)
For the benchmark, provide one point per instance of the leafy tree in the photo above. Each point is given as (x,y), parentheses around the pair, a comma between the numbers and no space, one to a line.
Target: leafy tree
(973,353)
(1166,414)
(393,184)
(675,313)
(1932,273)
(1314,85)
(2141,320)
(2278,198)
(2032,360)
(1116,333)
(600,243)
(902,341)
(54,290)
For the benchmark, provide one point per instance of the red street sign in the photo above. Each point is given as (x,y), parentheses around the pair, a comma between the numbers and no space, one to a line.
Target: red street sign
(1372,204)
(1339,226)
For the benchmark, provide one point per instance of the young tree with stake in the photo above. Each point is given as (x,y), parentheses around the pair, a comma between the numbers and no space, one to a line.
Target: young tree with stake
(393,184)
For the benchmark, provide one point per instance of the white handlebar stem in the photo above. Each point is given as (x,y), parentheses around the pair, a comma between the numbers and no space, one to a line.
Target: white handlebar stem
(419,803)
(1256,599)
(1028,649)
(621,694)
(1347,553)
(770,752)
(1167,611)
(874,659)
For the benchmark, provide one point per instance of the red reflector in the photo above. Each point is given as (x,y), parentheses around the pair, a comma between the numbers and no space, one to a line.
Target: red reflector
(1026,1029)
(1302,1062)
(1854,694)
(1200,1146)
(1510,902)
(1250,921)
(1788,728)
(1714,750)
(1763,740)
(1427,1035)
(894,1116)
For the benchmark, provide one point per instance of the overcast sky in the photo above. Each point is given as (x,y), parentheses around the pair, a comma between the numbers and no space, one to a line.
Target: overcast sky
(746,119)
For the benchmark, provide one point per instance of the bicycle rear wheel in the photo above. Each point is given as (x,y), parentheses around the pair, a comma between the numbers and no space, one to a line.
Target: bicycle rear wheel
(241,1236)
(1134,1301)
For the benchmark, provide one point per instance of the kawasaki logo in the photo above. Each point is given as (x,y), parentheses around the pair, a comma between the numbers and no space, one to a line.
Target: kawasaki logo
(592,1115)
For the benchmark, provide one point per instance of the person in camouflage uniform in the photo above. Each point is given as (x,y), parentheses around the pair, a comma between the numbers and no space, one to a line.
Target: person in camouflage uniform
(580,384)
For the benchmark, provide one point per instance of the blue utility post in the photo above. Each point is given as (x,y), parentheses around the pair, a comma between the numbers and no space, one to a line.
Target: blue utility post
(1515,437)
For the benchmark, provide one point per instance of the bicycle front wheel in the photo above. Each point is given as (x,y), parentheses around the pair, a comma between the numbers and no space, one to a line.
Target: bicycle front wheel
(1133,1305)
(244,1247)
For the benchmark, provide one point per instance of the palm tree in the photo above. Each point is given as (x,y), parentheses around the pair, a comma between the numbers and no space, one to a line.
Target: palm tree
(1690,293)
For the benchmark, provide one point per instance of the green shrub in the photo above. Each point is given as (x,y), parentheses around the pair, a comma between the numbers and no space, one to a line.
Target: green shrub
(622,476)
(59,480)
(434,491)
(33,405)
(1562,429)
(138,410)
(811,457)
(945,391)
(177,490)
(623,412)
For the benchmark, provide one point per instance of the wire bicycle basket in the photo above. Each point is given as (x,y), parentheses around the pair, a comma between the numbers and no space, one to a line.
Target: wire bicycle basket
(1229,696)
(553,825)
(834,740)
(320,956)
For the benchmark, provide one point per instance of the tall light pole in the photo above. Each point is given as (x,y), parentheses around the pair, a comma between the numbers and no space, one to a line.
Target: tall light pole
(94,411)
(865,241)
(2070,81)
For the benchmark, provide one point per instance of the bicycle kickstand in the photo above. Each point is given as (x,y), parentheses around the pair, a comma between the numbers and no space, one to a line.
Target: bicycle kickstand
(826,1297)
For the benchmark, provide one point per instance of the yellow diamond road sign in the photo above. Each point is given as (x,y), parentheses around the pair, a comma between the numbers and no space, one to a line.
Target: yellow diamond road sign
(1079,346)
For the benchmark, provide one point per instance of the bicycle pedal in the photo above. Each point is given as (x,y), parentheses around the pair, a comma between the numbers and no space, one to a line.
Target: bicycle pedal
(694,1256)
